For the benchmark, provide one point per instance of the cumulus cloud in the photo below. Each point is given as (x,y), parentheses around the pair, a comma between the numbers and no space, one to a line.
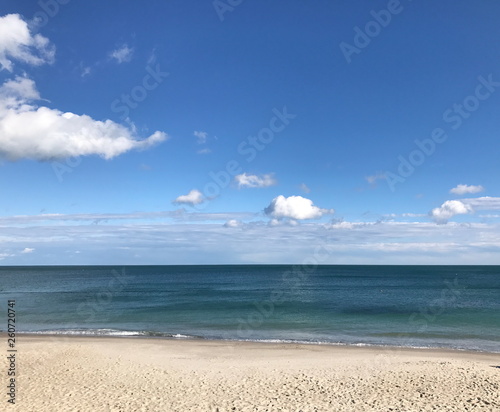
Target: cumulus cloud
(40,133)
(233,223)
(294,207)
(122,54)
(245,180)
(18,43)
(449,209)
(464,189)
(201,136)
(27,250)
(194,197)
(19,89)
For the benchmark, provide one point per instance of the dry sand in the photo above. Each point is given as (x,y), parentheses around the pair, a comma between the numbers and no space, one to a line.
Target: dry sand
(59,374)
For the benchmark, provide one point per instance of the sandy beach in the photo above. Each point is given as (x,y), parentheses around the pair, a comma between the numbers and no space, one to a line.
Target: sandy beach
(87,374)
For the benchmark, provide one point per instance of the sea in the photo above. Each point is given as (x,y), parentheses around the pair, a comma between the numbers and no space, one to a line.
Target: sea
(455,307)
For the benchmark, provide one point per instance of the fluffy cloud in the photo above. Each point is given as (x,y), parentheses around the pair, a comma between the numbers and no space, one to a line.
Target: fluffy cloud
(18,43)
(27,250)
(194,197)
(29,131)
(294,207)
(233,223)
(245,180)
(123,54)
(464,189)
(449,209)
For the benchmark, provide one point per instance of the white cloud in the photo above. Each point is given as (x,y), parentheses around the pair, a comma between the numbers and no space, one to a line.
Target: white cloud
(204,151)
(202,136)
(464,189)
(28,250)
(345,225)
(449,209)
(194,197)
(29,131)
(122,54)
(483,203)
(245,180)
(18,43)
(20,89)
(159,242)
(294,207)
(233,223)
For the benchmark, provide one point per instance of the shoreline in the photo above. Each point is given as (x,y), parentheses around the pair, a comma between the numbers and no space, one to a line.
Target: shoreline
(375,347)
(67,372)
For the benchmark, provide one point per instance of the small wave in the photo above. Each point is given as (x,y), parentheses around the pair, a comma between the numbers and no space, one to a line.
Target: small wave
(181,336)
(112,332)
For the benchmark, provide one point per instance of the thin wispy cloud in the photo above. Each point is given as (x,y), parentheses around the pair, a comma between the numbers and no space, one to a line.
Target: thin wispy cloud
(304,188)
(122,54)
(372,179)
(201,137)
(254,181)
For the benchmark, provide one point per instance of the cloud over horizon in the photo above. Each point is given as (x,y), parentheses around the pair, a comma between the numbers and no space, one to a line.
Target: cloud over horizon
(452,208)
(449,209)
(294,207)
(194,197)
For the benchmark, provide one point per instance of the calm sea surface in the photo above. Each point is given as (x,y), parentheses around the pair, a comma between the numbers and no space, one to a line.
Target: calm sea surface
(418,306)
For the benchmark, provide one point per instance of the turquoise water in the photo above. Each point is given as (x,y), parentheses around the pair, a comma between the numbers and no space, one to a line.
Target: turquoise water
(417,306)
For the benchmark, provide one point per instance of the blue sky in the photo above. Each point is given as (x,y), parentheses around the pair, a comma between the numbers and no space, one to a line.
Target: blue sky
(249,132)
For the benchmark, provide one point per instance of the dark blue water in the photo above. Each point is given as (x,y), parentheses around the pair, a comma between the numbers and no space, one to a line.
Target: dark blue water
(418,306)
